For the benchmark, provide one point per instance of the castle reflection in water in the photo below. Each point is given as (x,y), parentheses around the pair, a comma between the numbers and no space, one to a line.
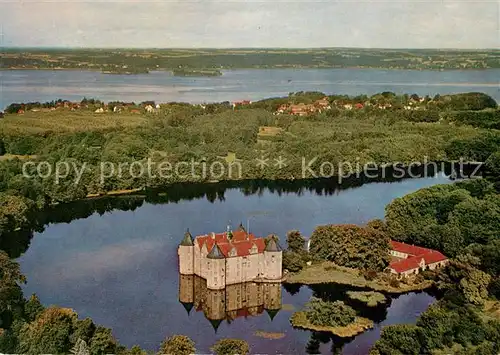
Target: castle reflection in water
(234,301)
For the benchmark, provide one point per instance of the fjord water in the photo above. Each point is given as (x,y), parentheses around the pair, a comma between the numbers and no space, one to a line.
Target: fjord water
(120,267)
(252,84)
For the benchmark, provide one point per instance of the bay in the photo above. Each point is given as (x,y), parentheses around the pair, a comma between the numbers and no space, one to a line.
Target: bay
(234,85)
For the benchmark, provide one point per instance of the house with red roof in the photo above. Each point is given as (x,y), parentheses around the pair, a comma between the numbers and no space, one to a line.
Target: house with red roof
(231,257)
(410,259)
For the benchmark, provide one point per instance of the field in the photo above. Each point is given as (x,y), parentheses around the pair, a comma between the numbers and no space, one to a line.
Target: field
(67,121)
(371,299)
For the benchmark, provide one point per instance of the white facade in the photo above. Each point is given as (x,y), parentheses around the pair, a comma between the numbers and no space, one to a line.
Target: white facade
(231,268)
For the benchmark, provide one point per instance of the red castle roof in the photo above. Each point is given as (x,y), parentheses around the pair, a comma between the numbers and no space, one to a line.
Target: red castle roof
(416,254)
(241,241)
(406,264)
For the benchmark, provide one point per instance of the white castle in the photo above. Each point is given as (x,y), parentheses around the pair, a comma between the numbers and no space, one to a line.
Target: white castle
(230,258)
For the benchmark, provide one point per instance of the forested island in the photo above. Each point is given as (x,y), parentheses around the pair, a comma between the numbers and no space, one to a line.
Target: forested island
(126,71)
(169,59)
(461,220)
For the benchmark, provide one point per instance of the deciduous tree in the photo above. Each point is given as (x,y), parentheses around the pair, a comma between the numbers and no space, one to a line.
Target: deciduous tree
(351,246)
(177,345)
(231,347)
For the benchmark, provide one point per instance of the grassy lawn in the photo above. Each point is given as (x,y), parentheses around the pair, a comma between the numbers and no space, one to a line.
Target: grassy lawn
(269,131)
(360,324)
(492,310)
(67,121)
(330,273)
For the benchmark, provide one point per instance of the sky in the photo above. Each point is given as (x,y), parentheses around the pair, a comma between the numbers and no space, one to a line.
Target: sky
(240,23)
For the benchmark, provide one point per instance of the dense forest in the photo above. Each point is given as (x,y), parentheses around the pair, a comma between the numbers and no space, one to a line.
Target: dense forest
(143,60)
(102,152)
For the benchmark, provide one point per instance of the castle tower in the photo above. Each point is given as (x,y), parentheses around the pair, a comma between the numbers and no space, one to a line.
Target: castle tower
(216,269)
(215,307)
(272,299)
(186,255)
(241,228)
(272,260)
(186,291)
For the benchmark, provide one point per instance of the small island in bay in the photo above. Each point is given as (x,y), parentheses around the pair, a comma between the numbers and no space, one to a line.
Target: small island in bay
(196,72)
(370,298)
(269,335)
(333,317)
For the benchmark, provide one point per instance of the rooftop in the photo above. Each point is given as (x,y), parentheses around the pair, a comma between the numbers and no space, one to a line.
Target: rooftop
(231,244)
(416,254)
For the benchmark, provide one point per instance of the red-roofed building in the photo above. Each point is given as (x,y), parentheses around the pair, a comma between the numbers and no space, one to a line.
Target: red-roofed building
(241,103)
(410,259)
(230,258)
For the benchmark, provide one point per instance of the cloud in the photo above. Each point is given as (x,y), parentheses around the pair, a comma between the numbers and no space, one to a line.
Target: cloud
(239,23)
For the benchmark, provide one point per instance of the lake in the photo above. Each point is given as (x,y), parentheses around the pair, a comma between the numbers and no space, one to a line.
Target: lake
(234,85)
(115,260)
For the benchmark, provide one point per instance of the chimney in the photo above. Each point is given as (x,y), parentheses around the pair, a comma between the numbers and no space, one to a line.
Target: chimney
(213,235)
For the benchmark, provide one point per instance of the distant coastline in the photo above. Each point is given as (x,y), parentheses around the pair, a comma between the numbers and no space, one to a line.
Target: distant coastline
(145,60)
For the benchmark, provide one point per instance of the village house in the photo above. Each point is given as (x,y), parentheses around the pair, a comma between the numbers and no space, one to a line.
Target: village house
(384,106)
(230,258)
(303,109)
(410,259)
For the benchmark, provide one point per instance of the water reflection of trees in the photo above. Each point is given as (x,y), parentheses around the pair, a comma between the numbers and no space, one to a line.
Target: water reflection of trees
(15,243)
(317,338)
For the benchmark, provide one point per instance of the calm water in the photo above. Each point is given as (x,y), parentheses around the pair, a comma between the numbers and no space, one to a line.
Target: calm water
(120,267)
(32,85)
